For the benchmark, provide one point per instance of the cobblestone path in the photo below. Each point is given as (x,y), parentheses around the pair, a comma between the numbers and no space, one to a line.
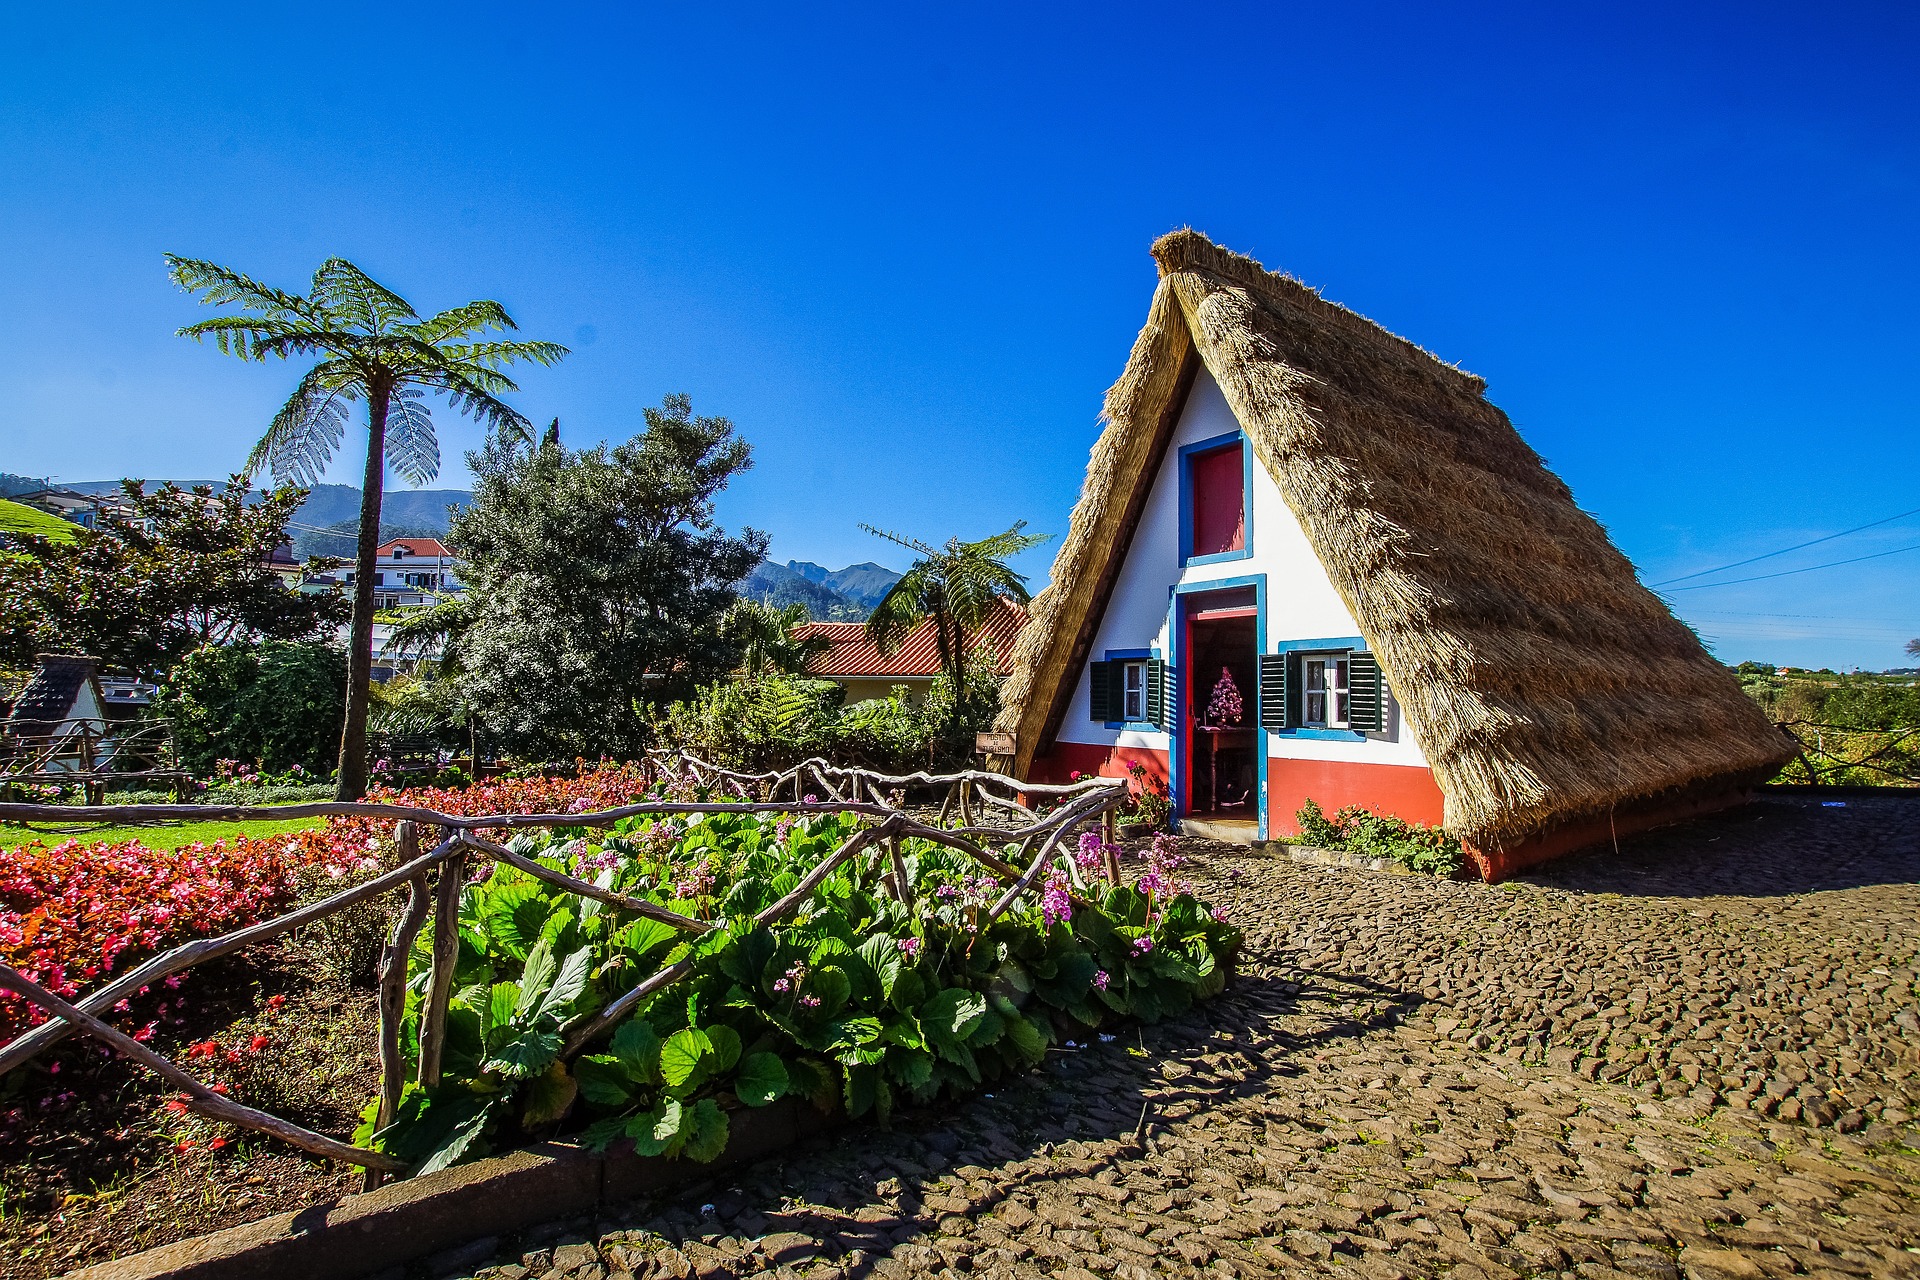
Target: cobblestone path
(1698,1057)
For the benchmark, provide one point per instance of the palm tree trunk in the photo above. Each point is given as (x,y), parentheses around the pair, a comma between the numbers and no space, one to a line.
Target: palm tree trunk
(352,778)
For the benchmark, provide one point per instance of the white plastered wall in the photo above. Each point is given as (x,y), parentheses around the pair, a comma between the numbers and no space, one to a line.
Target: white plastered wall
(1301,601)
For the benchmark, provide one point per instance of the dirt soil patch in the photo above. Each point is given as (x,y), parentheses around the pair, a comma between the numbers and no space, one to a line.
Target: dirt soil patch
(94,1165)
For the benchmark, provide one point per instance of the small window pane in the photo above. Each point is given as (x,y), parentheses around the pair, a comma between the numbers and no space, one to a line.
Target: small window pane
(1340,713)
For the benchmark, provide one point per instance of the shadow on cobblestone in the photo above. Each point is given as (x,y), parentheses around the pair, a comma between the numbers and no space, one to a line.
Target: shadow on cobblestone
(1771,848)
(1701,1061)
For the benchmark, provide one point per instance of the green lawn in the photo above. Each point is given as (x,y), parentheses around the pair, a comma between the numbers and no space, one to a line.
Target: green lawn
(170,836)
(18,518)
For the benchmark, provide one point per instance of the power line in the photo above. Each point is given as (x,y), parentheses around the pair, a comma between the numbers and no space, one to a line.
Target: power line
(1788,573)
(1783,551)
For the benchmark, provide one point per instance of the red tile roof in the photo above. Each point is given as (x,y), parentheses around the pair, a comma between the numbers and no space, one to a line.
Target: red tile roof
(853,654)
(415,547)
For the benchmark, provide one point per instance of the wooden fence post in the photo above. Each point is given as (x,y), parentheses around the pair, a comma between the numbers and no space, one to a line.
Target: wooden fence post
(1111,851)
(446,954)
(902,887)
(393,987)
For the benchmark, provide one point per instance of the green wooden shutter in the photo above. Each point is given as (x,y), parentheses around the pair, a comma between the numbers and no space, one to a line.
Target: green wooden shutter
(1100,701)
(1366,697)
(1163,695)
(1273,691)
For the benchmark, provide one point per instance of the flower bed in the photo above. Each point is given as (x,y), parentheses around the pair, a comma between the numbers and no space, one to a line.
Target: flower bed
(73,914)
(858,1001)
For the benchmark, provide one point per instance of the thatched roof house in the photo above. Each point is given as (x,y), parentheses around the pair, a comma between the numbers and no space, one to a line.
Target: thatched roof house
(1550,696)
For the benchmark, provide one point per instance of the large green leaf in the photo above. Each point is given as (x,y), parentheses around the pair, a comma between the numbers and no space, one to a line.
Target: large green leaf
(502,1001)
(952,1015)
(640,938)
(460,1137)
(1027,1037)
(547,1096)
(882,954)
(708,1132)
(637,1045)
(725,1051)
(526,1054)
(568,986)
(762,1078)
(744,955)
(682,1059)
(831,986)
(604,1080)
(535,979)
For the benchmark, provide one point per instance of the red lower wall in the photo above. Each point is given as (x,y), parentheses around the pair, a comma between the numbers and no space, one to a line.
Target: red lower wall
(1395,790)
(1069,758)
(1400,791)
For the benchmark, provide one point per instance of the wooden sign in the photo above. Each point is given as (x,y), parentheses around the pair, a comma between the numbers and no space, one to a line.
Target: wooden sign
(993,744)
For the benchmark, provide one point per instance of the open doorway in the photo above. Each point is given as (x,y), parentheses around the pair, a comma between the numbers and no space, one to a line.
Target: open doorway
(1220,716)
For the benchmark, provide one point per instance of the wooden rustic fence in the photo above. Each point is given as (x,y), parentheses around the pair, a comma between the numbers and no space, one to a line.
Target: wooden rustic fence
(92,753)
(433,880)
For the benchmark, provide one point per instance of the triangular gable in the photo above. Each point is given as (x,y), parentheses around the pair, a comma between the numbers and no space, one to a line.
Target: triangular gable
(1543,682)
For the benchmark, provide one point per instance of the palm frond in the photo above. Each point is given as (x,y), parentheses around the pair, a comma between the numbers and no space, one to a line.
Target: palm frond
(468,396)
(303,436)
(480,316)
(220,285)
(911,544)
(412,446)
(351,293)
(905,606)
(492,355)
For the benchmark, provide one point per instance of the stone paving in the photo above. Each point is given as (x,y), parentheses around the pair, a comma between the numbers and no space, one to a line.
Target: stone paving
(1697,1057)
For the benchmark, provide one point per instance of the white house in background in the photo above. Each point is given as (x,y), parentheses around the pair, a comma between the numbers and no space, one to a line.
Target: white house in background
(406,572)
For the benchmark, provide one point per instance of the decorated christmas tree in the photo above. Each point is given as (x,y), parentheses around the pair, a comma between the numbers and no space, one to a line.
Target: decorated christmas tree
(1225,706)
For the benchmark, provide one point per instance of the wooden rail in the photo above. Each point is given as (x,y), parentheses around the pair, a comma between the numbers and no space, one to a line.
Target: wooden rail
(884,824)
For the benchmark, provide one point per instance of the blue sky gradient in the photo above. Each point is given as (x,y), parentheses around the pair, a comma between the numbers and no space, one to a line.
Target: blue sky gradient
(906,253)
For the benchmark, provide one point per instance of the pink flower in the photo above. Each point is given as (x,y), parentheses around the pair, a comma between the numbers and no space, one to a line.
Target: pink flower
(810,1002)
(1142,945)
(1100,979)
(910,948)
(1056,904)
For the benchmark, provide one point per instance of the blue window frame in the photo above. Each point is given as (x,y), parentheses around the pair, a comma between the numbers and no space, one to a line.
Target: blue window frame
(1187,454)
(1136,664)
(1332,646)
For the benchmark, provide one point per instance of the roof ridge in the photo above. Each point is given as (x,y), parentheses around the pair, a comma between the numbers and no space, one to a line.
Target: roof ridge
(1190,250)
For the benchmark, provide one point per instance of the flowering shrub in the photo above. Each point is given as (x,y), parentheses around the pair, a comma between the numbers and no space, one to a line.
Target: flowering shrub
(1371,835)
(72,915)
(853,1002)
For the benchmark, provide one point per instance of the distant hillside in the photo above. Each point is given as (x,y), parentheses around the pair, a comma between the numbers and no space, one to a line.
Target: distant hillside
(327,521)
(865,584)
(778,585)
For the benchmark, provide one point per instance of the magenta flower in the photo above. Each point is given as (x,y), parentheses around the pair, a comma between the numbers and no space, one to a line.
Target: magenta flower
(1055,903)
(910,948)
(1142,946)
(1100,979)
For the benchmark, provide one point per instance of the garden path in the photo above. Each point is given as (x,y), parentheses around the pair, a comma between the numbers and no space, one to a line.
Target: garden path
(1612,1069)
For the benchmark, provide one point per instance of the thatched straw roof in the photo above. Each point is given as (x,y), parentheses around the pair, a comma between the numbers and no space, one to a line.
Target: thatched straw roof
(1543,681)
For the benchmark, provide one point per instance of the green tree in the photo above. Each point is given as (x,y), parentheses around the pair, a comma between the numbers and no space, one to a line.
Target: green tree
(958,586)
(177,569)
(273,703)
(765,635)
(596,582)
(376,348)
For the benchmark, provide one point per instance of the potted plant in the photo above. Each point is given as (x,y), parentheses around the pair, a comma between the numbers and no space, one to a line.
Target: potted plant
(1151,806)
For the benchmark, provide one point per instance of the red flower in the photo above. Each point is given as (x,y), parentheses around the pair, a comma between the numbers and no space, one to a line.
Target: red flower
(274,1002)
(259,1043)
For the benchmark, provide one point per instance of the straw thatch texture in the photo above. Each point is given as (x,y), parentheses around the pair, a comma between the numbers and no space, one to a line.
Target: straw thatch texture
(1543,681)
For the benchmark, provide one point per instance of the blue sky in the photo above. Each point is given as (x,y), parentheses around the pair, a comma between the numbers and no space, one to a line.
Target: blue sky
(906,252)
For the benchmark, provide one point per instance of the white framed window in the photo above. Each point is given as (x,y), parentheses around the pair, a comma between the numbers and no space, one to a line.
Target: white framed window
(1324,691)
(1133,691)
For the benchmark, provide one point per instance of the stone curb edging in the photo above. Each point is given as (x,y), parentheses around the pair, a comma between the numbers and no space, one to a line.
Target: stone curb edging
(1335,858)
(361,1235)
